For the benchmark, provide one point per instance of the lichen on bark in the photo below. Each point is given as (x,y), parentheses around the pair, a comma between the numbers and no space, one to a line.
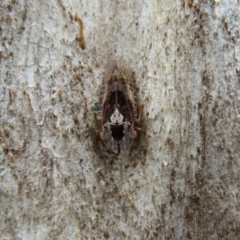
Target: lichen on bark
(181,179)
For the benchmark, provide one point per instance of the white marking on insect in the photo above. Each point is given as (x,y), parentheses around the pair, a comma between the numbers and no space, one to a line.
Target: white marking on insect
(116,117)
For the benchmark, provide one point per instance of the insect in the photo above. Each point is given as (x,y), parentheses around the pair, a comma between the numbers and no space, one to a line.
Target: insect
(119,114)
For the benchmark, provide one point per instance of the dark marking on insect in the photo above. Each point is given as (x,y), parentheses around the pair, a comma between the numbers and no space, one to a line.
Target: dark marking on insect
(119,114)
(81,36)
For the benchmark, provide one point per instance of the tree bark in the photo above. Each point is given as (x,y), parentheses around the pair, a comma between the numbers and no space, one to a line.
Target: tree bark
(180,180)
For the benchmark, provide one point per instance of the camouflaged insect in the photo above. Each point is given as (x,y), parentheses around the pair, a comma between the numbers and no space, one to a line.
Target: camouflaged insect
(119,106)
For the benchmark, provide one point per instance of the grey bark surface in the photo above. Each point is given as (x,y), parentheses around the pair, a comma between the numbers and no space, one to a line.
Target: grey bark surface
(180,181)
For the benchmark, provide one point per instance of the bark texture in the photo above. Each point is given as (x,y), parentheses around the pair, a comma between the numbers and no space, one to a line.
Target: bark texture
(180,181)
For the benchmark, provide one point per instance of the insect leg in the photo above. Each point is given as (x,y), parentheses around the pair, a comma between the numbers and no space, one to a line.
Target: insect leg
(140,110)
